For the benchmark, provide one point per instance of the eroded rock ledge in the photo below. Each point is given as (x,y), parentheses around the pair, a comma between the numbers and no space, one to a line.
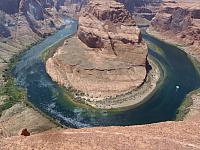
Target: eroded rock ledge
(179,22)
(107,57)
(167,135)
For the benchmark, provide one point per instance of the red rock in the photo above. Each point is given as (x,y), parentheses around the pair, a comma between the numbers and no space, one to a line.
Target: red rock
(162,136)
(109,56)
(179,22)
(24,132)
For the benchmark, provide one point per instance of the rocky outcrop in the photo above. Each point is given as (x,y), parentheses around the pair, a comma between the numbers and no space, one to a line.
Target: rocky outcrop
(142,10)
(73,6)
(24,132)
(134,5)
(169,135)
(108,58)
(179,22)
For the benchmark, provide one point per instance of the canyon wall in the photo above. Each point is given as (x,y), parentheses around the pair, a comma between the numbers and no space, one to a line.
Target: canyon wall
(70,7)
(22,23)
(142,9)
(29,16)
(179,22)
(107,58)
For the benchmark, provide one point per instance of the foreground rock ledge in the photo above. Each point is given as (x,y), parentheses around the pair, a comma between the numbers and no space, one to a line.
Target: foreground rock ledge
(106,58)
(164,136)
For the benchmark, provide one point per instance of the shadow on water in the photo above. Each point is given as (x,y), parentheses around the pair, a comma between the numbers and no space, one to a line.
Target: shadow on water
(45,95)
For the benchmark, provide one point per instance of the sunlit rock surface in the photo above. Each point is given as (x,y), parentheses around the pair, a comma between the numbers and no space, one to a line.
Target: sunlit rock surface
(164,136)
(107,57)
(179,23)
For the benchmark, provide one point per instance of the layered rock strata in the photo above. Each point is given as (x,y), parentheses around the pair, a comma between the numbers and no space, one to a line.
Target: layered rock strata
(179,22)
(143,8)
(107,58)
(70,7)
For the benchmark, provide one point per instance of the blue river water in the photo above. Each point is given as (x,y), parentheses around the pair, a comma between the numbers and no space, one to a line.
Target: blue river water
(48,97)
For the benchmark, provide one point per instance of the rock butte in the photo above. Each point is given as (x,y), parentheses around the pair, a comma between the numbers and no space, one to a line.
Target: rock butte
(108,56)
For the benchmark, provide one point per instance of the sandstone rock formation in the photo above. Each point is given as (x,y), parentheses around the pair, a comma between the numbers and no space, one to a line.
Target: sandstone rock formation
(24,132)
(70,7)
(143,8)
(179,22)
(109,56)
(162,136)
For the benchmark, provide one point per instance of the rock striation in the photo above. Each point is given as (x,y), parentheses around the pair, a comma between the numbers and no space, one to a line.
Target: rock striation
(179,22)
(108,56)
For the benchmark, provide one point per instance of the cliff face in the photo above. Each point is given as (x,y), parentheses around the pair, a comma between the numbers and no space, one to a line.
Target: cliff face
(181,22)
(33,18)
(108,27)
(70,7)
(22,23)
(108,57)
(132,5)
(142,8)
(9,6)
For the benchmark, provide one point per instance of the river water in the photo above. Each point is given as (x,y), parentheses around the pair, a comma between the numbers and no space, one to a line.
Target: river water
(48,97)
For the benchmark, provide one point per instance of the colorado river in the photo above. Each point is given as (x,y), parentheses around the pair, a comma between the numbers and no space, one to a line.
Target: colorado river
(46,95)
